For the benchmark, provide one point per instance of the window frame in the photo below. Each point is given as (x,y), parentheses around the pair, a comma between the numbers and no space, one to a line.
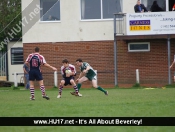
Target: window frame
(22,62)
(137,43)
(101,9)
(54,21)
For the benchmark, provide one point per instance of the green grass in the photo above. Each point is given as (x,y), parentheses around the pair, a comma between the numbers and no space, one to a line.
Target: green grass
(119,103)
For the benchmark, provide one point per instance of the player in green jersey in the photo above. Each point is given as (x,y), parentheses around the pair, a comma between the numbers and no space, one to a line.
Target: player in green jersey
(87,73)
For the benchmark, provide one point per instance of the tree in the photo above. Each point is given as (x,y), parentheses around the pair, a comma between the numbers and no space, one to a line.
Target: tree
(10,15)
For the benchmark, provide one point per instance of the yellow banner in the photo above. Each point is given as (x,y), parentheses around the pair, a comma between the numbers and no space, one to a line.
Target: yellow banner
(140,28)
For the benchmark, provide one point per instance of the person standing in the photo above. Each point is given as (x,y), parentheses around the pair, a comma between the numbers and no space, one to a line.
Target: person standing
(139,8)
(173,63)
(68,72)
(26,75)
(36,60)
(87,73)
(155,7)
(173,9)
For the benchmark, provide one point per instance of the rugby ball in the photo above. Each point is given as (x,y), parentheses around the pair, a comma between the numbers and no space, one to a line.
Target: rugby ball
(68,71)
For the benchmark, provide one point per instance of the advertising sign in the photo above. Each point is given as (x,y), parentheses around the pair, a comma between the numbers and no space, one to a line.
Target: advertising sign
(150,23)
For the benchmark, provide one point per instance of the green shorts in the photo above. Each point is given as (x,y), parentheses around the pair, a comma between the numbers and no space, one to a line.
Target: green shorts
(92,77)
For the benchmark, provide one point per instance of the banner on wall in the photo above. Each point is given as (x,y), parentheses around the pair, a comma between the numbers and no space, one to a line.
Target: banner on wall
(150,23)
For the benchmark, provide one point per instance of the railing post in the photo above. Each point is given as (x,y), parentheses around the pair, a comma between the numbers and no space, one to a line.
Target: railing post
(115,52)
(55,79)
(15,80)
(137,76)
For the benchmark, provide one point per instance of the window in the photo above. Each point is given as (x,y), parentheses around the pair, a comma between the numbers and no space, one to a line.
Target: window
(148,4)
(138,47)
(50,10)
(100,9)
(17,56)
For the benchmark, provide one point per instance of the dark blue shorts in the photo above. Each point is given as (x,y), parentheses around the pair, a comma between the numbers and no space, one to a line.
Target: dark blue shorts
(35,75)
(67,80)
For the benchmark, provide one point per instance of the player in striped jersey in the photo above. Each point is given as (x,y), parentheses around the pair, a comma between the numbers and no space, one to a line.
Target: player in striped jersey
(35,60)
(87,73)
(68,72)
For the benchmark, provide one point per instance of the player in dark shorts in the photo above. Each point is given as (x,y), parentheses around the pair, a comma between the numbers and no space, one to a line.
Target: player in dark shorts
(88,73)
(35,60)
(68,72)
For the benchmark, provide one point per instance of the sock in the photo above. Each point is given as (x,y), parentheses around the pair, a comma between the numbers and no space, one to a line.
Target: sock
(76,89)
(42,88)
(101,89)
(60,89)
(32,92)
(79,86)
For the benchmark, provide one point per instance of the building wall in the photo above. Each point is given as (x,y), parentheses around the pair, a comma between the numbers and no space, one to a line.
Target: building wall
(71,27)
(99,54)
(14,68)
(153,65)
(92,41)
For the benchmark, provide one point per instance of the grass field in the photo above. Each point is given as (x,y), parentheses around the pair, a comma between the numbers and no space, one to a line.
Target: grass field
(120,103)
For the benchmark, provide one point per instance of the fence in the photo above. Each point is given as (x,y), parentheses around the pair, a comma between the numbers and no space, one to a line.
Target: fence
(3,63)
(120,23)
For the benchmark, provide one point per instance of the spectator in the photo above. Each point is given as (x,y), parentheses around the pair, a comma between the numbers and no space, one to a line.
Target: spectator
(139,8)
(173,9)
(155,7)
(52,18)
(26,74)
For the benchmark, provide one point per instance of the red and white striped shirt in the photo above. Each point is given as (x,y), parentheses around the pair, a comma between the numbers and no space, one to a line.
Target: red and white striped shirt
(70,67)
(35,60)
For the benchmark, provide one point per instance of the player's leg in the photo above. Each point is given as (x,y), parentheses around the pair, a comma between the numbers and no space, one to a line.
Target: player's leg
(61,88)
(42,88)
(94,84)
(39,78)
(75,87)
(32,90)
(80,81)
(31,81)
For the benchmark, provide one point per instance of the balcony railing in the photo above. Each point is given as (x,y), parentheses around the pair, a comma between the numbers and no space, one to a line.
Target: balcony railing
(120,23)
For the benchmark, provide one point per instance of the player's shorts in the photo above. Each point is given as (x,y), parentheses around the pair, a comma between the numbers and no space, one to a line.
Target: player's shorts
(35,75)
(67,80)
(92,77)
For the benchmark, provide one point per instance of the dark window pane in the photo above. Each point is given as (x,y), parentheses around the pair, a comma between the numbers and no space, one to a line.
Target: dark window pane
(50,10)
(16,56)
(138,46)
(148,3)
(110,7)
(90,9)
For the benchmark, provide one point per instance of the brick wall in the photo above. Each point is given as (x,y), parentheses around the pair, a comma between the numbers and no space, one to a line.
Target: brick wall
(98,54)
(153,65)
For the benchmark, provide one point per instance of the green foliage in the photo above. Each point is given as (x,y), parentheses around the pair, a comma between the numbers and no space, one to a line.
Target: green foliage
(15,88)
(136,85)
(10,15)
(55,87)
(170,86)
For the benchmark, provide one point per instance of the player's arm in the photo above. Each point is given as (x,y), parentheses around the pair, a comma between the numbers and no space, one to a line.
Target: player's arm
(43,61)
(49,66)
(81,75)
(172,64)
(87,68)
(62,72)
(73,73)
